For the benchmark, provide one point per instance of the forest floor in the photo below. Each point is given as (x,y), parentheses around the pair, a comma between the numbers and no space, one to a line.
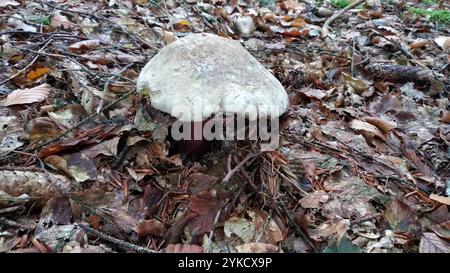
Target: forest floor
(363,164)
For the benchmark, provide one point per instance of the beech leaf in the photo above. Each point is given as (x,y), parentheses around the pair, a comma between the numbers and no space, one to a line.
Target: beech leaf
(27,95)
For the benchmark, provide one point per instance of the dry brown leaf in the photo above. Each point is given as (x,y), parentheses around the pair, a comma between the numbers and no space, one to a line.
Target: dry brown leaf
(83,46)
(384,125)
(59,20)
(27,95)
(367,127)
(107,148)
(43,128)
(419,43)
(150,227)
(440,199)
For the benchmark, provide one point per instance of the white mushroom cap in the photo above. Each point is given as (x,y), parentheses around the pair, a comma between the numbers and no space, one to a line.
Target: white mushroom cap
(205,74)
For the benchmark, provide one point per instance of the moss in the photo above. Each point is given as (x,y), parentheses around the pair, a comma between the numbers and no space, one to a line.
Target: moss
(439,16)
(340,3)
(429,2)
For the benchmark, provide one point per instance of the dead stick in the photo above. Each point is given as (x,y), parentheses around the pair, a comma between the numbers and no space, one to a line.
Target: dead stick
(116,241)
(233,171)
(330,20)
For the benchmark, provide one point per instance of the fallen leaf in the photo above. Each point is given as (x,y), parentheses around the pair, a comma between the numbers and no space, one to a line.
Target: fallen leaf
(28,95)
(84,46)
(314,200)
(241,227)
(202,210)
(150,227)
(36,73)
(431,243)
(358,125)
(80,167)
(441,199)
(443,42)
(384,125)
(106,148)
(43,128)
(399,216)
(59,20)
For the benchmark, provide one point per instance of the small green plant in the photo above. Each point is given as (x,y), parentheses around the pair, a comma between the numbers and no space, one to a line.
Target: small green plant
(340,3)
(42,20)
(429,2)
(440,16)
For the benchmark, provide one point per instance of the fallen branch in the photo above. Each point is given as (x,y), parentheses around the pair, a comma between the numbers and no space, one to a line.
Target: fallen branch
(330,20)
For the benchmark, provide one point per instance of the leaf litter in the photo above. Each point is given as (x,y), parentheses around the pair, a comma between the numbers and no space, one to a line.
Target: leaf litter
(363,165)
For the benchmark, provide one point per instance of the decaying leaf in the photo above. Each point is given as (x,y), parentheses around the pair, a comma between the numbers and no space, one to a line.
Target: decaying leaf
(400,216)
(431,243)
(314,200)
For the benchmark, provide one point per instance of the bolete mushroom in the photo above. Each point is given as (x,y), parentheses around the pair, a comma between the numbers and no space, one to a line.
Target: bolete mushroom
(202,75)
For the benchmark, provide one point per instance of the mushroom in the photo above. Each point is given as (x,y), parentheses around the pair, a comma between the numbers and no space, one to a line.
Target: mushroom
(202,75)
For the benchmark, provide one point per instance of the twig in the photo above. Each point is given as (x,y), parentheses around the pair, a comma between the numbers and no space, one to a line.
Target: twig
(330,20)
(208,242)
(49,40)
(233,171)
(6,222)
(116,241)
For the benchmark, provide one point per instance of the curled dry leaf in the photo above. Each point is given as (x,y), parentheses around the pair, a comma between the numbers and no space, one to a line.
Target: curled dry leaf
(367,127)
(27,95)
(384,125)
(83,46)
(150,227)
